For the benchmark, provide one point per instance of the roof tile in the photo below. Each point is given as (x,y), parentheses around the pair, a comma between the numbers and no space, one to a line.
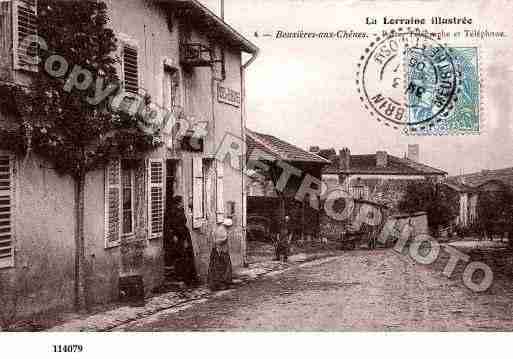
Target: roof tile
(366,164)
(279,149)
(476,179)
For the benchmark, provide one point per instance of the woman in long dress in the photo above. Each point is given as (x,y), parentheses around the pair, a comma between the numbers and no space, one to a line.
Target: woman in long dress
(184,265)
(220,267)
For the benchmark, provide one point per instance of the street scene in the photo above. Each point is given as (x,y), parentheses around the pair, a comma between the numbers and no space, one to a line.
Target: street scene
(198,166)
(364,291)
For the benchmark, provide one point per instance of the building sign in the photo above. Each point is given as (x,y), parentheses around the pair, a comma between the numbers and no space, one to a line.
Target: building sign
(228,96)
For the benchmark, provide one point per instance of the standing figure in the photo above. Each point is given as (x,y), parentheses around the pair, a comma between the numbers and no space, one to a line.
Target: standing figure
(407,234)
(284,240)
(220,268)
(184,264)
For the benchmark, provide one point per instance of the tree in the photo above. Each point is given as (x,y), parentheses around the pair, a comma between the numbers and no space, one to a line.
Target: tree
(431,198)
(58,123)
(495,212)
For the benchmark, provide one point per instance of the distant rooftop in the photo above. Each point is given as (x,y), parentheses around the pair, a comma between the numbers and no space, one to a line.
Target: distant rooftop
(368,164)
(278,149)
(476,179)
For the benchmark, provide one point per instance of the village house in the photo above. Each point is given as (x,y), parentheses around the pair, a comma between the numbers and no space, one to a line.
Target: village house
(376,183)
(265,204)
(466,197)
(181,54)
(469,186)
(379,177)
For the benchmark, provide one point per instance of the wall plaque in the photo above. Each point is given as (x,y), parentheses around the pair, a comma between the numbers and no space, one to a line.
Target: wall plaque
(228,96)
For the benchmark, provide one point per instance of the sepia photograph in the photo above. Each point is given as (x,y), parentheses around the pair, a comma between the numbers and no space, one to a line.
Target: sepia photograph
(243,166)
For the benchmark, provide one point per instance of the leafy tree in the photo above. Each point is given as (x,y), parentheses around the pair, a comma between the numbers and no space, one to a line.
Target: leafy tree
(495,212)
(431,198)
(57,122)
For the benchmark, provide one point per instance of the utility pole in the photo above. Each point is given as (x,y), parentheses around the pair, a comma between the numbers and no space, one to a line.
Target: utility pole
(222,9)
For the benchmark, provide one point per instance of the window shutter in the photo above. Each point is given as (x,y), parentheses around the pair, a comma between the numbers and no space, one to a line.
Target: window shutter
(197,191)
(244,209)
(113,203)
(219,191)
(130,69)
(25,24)
(156,198)
(6,211)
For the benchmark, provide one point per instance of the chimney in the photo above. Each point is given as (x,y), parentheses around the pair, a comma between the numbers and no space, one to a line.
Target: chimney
(315,149)
(332,157)
(414,153)
(381,158)
(344,158)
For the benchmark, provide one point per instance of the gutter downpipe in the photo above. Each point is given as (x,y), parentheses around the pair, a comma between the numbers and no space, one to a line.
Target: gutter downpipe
(243,159)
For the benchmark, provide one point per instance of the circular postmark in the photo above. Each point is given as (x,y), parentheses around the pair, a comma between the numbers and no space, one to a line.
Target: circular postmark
(406,78)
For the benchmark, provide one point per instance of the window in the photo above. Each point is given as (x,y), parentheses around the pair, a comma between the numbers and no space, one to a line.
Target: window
(25,24)
(359,192)
(127,198)
(231,209)
(199,179)
(112,203)
(130,68)
(6,210)
(119,201)
(156,198)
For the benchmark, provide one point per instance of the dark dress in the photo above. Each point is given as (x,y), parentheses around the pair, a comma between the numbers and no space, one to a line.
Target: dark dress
(220,267)
(184,252)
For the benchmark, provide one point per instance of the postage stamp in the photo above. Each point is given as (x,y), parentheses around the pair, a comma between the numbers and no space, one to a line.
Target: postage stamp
(464,116)
(410,81)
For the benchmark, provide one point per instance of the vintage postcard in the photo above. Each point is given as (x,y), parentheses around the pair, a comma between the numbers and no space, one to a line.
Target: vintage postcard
(255,166)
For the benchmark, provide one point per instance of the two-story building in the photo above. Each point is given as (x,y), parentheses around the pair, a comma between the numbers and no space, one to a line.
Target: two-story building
(181,54)
(379,177)
(468,187)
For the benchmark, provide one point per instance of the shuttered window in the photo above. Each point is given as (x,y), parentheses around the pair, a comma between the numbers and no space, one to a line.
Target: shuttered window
(6,211)
(25,24)
(219,191)
(130,69)
(113,203)
(198,191)
(127,198)
(156,198)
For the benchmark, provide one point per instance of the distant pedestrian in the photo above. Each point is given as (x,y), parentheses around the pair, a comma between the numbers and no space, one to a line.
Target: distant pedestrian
(220,267)
(370,232)
(284,240)
(274,229)
(407,233)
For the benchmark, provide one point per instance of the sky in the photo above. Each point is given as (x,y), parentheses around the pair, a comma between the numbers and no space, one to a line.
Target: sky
(304,91)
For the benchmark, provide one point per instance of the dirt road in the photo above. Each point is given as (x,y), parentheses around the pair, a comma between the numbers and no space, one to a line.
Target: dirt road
(360,290)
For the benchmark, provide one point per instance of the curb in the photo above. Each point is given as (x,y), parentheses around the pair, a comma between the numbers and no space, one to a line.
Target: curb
(124,315)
